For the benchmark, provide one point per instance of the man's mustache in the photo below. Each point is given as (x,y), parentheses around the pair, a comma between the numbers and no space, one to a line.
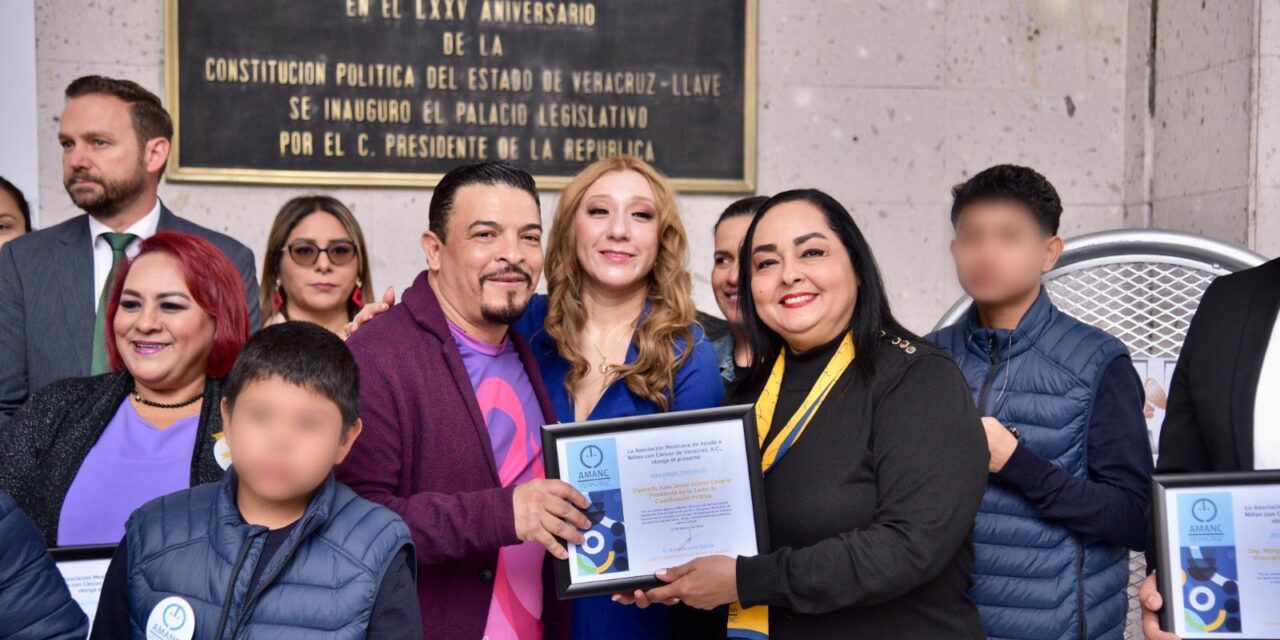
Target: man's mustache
(512,270)
(81,175)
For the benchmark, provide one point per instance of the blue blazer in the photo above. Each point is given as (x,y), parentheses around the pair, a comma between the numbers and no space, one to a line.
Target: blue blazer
(697,386)
(46,303)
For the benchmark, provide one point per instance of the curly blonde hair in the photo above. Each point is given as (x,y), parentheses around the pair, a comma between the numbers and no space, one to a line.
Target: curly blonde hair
(652,375)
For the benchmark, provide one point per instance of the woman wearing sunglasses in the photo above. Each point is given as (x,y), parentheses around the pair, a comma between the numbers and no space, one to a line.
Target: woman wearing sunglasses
(316,267)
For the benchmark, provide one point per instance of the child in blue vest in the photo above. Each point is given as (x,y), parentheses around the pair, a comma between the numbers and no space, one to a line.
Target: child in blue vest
(1070,459)
(278,548)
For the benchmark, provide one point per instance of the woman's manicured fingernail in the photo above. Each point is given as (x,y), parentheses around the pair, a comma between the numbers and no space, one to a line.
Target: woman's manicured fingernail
(616,599)
(660,572)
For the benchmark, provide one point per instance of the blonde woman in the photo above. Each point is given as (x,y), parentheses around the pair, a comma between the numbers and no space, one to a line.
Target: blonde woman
(316,267)
(616,335)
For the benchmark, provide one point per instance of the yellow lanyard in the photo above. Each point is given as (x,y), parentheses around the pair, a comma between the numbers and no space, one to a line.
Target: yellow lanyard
(768,403)
(753,623)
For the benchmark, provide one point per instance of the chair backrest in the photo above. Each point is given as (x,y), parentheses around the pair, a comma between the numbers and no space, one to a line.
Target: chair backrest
(1143,287)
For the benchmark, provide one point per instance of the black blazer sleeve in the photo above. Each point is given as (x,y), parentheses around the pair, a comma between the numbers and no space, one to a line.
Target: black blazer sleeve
(13,356)
(930,455)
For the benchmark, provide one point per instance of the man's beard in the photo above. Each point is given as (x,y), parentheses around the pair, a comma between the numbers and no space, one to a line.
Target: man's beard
(507,313)
(114,193)
(511,311)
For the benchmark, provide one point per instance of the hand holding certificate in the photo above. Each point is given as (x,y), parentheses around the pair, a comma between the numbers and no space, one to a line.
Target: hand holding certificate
(1218,544)
(664,489)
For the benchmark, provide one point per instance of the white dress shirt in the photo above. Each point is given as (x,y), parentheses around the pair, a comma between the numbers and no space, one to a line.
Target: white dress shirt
(144,228)
(1266,408)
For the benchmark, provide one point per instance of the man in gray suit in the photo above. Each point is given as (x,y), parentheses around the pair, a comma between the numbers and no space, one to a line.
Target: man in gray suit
(54,283)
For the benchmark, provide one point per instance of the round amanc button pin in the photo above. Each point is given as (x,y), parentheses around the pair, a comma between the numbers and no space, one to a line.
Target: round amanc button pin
(172,619)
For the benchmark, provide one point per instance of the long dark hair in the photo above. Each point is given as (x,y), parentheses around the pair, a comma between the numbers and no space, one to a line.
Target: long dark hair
(871,314)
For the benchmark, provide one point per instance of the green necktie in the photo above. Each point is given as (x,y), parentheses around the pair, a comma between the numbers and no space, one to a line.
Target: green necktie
(118,241)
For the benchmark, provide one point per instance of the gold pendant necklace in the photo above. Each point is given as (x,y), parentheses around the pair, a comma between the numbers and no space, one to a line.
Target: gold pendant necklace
(604,359)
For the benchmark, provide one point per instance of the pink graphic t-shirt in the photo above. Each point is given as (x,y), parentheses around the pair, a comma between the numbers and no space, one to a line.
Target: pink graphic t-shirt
(514,419)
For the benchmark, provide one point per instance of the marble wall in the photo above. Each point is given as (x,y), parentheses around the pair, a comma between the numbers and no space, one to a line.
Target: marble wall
(884,103)
(1266,228)
(1203,117)
(1215,165)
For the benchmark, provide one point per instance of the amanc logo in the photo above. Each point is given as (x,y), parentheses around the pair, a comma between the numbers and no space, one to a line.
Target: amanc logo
(591,456)
(1205,511)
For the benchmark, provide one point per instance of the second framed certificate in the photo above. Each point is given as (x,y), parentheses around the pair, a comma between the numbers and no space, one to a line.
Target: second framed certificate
(1218,549)
(664,489)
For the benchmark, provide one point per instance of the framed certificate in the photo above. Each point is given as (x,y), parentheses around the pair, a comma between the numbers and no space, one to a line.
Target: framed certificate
(1218,544)
(664,489)
(84,569)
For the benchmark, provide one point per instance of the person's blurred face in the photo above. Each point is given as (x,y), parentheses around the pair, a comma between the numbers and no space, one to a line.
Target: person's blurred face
(11,221)
(802,278)
(103,164)
(488,266)
(323,286)
(724,272)
(616,231)
(284,438)
(1001,251)
(163,336)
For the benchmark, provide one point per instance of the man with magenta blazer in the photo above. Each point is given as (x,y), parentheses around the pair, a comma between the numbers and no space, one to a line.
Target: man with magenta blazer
(453,407)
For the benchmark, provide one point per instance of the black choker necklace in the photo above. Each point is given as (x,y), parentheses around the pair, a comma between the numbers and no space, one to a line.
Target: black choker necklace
(160,405)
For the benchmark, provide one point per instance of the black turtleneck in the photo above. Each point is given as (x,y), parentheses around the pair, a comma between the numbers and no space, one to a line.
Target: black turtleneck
(802,372)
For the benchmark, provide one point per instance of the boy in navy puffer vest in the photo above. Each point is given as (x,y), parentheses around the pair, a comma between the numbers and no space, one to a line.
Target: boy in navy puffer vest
(279,548)
(1070,457)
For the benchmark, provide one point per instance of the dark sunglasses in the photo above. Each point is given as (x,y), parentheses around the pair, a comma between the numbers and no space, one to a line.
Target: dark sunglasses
(305,253)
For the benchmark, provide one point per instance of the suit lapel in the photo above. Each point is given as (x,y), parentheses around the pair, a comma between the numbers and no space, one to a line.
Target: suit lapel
(167,220)
(74,276)
(1260,310)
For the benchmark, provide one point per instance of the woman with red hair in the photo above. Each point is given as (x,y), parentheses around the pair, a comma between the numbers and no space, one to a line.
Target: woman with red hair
(83,453)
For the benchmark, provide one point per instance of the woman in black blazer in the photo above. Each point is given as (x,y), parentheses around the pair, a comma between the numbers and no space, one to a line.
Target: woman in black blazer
(874,455)
(82,453)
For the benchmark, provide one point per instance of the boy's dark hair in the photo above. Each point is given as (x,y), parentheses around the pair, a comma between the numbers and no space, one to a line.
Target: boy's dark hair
(150,120)
(486,173)
(747,206)
(302,354)
(1012,183)
(23,208)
